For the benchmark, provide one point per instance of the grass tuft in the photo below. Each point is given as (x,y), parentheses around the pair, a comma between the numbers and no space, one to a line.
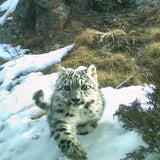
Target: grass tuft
(114,38)
(154,50)
(155,34)
(89,38)
(119,40)
(117,63)
(114,69)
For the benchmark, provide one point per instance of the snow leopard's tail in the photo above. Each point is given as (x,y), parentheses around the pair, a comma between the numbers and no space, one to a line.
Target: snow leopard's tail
(38,97)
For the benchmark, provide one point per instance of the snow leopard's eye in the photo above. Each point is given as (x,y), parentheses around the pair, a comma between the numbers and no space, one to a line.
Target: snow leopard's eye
(67,88)
(84,87)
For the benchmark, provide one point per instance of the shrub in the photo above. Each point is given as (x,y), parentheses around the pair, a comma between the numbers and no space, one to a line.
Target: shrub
(145,122)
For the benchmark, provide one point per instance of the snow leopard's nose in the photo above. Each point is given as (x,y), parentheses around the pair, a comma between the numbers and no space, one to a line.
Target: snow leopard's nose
(76,100)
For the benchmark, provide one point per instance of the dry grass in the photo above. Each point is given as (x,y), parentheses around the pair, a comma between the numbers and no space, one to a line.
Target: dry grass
(112,49)
(89,38)
(108,52)
(155,34)
(155,68)
(107,79)
(80,56)
(76,25)
(33,41)
(154,50)
(39,115)
(134,38)
(114,69)
(117,63)
(56,46)
(114,79)
(119,40)
(114,38)
(117,32)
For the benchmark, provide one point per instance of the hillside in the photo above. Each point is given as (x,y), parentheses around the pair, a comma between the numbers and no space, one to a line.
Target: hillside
(120,38)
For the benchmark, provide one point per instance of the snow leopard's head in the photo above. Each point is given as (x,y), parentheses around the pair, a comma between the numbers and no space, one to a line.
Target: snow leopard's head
(77,87)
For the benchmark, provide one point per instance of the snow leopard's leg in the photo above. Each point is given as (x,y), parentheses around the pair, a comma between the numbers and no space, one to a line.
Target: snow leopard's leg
(65,137)
(86,128)
(38,97)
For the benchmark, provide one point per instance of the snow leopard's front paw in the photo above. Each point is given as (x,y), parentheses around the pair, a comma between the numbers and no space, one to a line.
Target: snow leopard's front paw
(38,95)
(76,152)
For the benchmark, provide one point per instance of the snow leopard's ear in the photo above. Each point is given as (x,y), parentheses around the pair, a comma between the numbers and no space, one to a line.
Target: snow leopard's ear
(62,70)
(92,71)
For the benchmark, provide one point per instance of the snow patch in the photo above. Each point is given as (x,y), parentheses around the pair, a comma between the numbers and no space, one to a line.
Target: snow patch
(30,63)
(9,6)
(10,53)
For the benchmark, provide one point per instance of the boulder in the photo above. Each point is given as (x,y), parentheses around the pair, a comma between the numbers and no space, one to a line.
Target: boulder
(104,5)
(46,17)
(48,4)
(24,15)
(79,6)
(50,22)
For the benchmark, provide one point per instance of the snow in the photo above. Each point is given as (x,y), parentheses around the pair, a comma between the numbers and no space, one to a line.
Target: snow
(30,63)
(115,97)
(7,52)
(7,6)
(22,137)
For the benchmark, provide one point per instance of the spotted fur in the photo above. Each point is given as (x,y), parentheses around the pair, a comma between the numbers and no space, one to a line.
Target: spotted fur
(75,108)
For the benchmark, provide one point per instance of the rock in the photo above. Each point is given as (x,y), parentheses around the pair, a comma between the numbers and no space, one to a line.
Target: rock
(46,17)
(111,5)
(48,4)
(50,22)
(24,15)
(104,5)
(145,5)
(9,33)
(79,6)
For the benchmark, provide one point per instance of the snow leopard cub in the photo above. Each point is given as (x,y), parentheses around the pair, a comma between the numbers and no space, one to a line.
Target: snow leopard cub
(75,108)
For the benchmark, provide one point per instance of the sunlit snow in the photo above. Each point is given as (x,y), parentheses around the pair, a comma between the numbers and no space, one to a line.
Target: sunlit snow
(8,6)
